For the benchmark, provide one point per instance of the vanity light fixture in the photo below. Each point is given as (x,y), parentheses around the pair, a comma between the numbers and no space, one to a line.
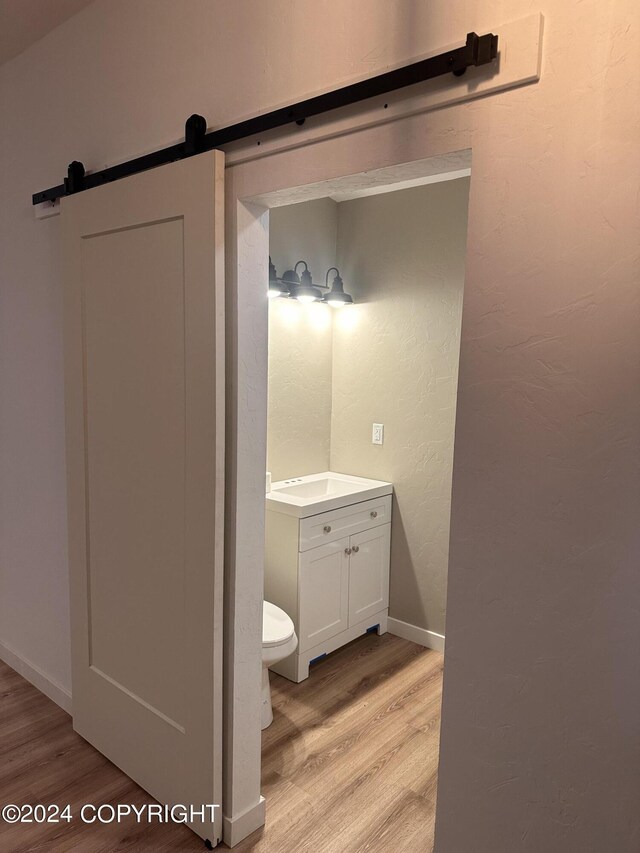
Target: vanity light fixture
(277,287)
(301,287)
(336,297)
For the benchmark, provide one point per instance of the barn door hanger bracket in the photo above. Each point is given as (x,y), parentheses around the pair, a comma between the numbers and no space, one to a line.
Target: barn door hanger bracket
(74,182)
(478,50)
(195,130)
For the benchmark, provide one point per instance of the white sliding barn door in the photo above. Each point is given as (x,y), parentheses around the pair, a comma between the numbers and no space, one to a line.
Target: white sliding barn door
(144,374)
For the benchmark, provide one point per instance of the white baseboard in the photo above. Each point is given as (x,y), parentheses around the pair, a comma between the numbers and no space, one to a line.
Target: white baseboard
(33,674)
(421,636)
(234,829)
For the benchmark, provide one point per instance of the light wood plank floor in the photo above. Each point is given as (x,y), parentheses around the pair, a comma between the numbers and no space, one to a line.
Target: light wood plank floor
(349,763)
(350,760)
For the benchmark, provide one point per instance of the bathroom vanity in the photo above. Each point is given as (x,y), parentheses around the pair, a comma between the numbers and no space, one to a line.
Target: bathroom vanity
(328,541)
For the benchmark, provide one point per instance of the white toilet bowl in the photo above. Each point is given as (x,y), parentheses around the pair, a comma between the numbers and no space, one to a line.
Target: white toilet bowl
(278,642)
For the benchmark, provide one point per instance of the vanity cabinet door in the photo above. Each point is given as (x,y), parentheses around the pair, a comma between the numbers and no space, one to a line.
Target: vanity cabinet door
(323,593)
(369,573)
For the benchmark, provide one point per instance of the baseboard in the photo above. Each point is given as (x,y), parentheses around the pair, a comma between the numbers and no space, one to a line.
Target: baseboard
(34,675)
(421,636)
(234,829)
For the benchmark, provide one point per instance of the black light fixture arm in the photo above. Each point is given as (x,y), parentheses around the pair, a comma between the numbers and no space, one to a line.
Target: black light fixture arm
(326,277)
(478,50)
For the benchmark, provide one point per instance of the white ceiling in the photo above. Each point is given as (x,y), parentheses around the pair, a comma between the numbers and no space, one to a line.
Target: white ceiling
(22,22)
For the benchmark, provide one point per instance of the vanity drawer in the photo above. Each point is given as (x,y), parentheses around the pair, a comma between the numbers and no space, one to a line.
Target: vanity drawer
(328,526)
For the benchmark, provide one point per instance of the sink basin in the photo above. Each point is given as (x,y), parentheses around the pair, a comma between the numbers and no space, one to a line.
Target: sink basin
(315,493)
(318,488)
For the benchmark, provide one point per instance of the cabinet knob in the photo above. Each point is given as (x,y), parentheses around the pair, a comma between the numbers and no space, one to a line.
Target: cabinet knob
(373,513)
(327,528)
(347,551)
(355,549)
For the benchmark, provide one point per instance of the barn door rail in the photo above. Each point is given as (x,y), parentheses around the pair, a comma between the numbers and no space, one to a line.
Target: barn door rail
(478,50)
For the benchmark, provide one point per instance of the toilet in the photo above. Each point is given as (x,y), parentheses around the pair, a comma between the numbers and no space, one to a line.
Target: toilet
(278,642)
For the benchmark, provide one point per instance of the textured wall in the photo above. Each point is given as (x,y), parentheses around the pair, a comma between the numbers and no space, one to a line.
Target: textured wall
(402,255)
(394,360)
(542,688)
(300,344)
(541,714)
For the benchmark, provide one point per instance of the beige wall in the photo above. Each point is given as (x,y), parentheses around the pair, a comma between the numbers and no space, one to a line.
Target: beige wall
(542,695)
(392,358)
(402,256)
(300,344)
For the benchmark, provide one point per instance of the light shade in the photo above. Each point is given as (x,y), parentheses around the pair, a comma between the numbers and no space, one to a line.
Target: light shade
(336,297)
(276,287)
(302,287)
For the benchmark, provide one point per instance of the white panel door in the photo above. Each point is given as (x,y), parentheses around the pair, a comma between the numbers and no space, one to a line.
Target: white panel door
(323,590)
(144,376)
(369,573)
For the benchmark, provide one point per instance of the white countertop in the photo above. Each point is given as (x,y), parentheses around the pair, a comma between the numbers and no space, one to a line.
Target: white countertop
(316,493)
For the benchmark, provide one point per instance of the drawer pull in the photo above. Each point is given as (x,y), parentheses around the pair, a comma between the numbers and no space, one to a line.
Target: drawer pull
(327,528)
(347,551)
(373,513)
(355,549)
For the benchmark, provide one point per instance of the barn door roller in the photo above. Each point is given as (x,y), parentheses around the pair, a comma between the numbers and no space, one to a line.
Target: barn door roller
(478,50)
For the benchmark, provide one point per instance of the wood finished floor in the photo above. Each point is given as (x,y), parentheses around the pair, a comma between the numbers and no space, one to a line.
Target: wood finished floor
(349,763)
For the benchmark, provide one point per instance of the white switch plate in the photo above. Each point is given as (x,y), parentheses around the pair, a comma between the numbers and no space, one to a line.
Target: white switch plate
(377,435)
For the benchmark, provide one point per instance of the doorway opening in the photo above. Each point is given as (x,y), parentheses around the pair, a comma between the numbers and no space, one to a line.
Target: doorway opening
(359,439)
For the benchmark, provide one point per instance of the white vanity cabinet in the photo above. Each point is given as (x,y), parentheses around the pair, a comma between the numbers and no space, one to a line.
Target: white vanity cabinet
(330,573)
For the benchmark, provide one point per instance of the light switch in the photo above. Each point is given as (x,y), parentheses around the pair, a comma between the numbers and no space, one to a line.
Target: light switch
(377,436)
